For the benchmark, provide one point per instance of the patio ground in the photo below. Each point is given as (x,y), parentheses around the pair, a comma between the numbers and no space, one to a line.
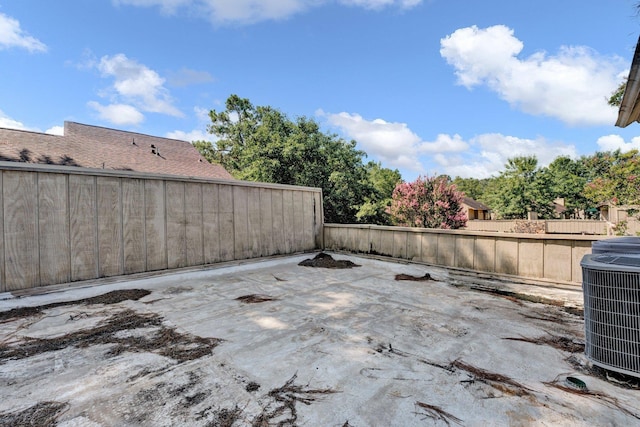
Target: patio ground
(274,343)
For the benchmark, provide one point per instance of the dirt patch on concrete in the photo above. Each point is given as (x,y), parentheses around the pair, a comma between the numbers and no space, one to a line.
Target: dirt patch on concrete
(120,330)
(424,278)
(323,260)
(255,299)
(558,342)
(112,297)
(42,414)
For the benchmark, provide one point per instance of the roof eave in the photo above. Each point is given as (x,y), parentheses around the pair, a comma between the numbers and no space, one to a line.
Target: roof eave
(629,110)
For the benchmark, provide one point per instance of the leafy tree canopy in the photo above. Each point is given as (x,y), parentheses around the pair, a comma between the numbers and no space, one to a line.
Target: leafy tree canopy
(520,189)
(615,177)
(260,143)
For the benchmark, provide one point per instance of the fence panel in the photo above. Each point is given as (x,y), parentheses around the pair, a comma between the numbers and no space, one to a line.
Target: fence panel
(536,256)
(62,224)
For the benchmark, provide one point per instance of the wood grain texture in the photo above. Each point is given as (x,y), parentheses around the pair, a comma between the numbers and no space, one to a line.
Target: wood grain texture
(288,220)
(21,230)
(277,228)
(240,222)
(266,222)
(110,247)
(226,218)
(133,228)
(298,221)
(319,221)
(308,242)
(53,225)
(155,225)
(254,222)
(193,217)
(176,225)
(210,223)
(83,227)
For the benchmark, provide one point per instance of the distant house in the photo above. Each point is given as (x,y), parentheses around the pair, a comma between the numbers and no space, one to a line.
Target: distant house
(103,148)
(559,209)
(475,209)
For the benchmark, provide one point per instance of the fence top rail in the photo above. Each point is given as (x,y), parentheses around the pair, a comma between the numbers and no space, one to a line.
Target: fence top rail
(75,170)
(502,235)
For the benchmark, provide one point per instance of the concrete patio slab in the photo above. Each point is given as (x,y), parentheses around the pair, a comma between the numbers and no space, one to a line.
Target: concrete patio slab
(274,343)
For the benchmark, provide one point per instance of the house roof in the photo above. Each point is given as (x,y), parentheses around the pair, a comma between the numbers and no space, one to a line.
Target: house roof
(629,110)
(474,204)
(103,148)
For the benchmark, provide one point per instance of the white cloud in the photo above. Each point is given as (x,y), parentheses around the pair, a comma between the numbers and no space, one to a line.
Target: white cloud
(572,86)
(251,11)
(397,146)
(11,35)
(55,130)
(393,143)
(489,153)
(616,142)
(9,123)
(202,115)
(194,135)
(138,85)
(119,114)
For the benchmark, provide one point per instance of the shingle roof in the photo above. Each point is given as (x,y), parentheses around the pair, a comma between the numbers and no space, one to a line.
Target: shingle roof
(103,148)
(473,204)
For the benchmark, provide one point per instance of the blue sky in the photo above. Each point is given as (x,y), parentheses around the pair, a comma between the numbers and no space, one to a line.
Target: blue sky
(424,86)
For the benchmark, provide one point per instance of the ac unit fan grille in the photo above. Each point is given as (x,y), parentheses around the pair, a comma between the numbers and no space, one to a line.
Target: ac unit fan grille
(612,319)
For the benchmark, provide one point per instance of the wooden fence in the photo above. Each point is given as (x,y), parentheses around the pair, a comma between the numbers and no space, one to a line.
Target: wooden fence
(64,224)
(535,256)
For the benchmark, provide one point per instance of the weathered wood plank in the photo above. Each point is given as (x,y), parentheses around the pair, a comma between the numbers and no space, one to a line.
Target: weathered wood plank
(319,220)
(155,225)
(110,247)
(133,228)
(288,220)
(240,222)
(308,217)
(277,228)
(21,230)
(254,222)
(83,227)
(211,223)
(53,224)
(193,217)
(298,221)
(227,226)
(176,225)
(266,222)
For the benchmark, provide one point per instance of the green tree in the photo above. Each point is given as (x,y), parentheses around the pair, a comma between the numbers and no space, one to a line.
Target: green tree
(207,150)
(614,177)
(375,209)
(472,187)
(566,179)
(615,99)
(520,189)
(263,144)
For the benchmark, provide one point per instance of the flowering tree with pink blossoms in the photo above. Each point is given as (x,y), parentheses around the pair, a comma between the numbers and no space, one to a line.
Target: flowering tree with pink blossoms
(429,202)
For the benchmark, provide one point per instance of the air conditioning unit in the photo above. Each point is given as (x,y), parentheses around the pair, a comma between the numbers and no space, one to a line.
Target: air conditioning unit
(611,288)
